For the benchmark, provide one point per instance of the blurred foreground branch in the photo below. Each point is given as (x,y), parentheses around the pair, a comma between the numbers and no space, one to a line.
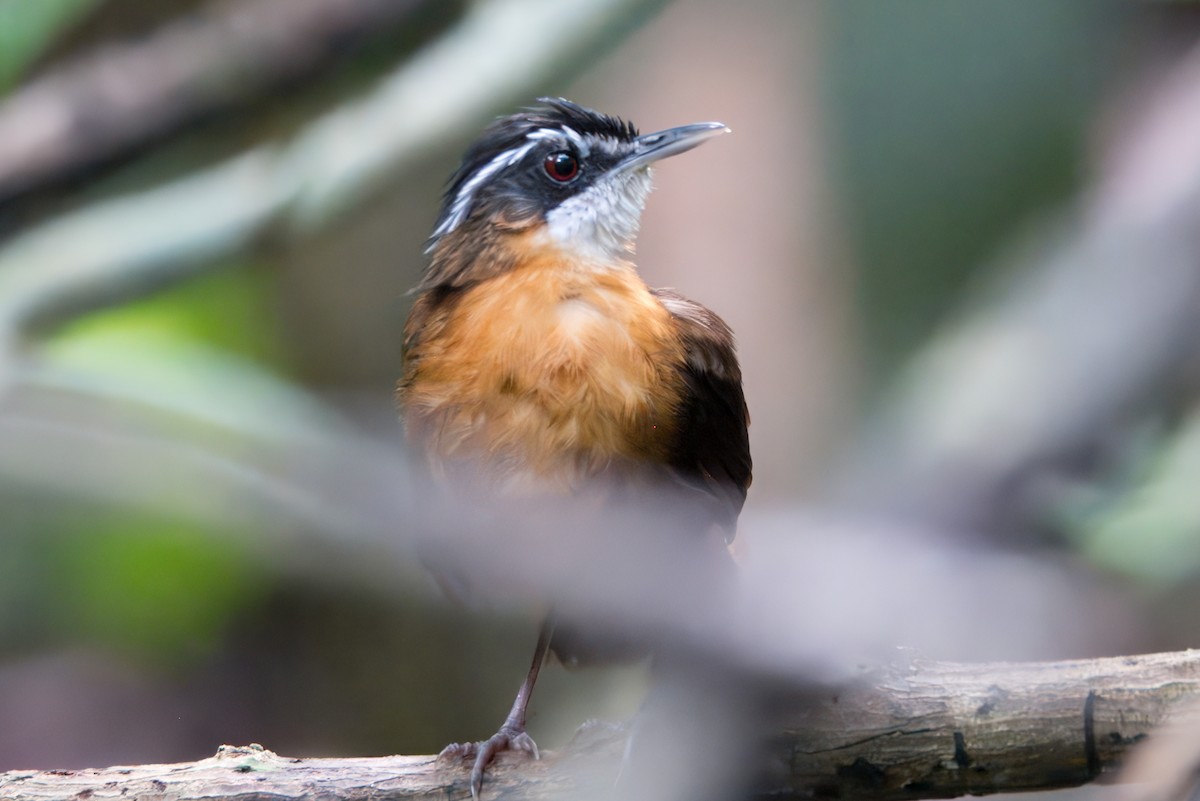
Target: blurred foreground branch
(121,248)
(122,97)
(922,730)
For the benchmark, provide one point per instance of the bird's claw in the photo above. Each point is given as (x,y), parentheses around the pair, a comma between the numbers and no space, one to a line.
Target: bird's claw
(507,739)
(456,751)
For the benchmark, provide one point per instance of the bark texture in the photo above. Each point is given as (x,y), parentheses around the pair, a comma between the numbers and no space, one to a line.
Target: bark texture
(919,730)
(945,730)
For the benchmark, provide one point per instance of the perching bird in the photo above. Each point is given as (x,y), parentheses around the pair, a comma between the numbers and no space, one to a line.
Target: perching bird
(538,361)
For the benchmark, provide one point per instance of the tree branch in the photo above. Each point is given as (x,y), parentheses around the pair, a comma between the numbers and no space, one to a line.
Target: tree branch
(946,729)
(121,97)
(920,730)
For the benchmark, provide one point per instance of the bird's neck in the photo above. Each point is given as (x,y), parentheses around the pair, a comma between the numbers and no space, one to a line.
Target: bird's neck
(468,256)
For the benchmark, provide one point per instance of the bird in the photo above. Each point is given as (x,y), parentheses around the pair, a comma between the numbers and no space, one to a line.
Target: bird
(537,361)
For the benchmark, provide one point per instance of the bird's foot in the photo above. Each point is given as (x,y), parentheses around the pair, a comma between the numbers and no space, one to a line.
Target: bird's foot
(509,738)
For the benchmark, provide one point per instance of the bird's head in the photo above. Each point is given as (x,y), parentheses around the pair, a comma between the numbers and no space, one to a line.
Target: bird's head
(576,177)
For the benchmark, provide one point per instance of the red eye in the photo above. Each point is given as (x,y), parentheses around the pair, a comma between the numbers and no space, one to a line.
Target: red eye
(561,166)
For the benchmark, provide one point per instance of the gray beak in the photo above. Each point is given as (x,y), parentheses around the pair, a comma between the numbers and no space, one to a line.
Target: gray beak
(672,141)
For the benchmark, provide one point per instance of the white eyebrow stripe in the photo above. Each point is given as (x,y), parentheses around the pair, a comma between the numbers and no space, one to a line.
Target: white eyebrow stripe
(564,133)
(574,136)
(462,201)
(461,206)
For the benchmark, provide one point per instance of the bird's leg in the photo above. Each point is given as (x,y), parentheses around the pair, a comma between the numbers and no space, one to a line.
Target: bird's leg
(512,735)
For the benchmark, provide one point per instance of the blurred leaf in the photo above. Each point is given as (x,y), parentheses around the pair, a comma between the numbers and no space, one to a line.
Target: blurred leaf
(207,351)
(27,27)
(1153,532)
(200,356)
(159,588)
(946,143)
(23,575)
(229,309)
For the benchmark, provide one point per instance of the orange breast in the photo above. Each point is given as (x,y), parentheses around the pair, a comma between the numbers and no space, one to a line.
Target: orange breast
(545,374)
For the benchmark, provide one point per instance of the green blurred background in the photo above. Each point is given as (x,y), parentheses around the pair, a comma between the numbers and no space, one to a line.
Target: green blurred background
(883,155)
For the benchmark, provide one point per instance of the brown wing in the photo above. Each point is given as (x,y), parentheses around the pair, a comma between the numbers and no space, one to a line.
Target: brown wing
(712,450)
(426,322)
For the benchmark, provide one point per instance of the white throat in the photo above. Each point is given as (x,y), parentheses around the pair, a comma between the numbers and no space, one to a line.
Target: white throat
(600,224)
